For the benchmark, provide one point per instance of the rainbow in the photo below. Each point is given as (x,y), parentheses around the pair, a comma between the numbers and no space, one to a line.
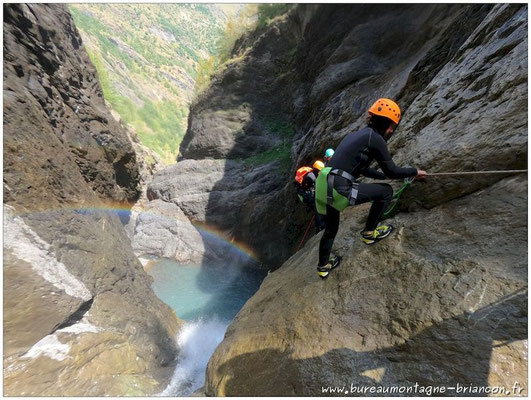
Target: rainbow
(114,207)
(125,210)
(212,231)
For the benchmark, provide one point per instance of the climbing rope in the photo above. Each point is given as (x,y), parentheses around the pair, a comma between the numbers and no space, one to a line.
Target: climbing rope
(300,244)
(507,171)
(409,181)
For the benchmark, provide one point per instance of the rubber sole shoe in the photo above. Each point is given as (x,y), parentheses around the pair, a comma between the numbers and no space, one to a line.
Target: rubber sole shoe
(324,270)
(381,232)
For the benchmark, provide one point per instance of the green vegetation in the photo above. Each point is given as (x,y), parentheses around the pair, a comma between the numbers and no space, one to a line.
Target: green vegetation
(150,59)
(235,27)
(282,152)
(248,18)
(280,128)
(164,126)
(268,12)
(158,125)
(205,68)
(146,56)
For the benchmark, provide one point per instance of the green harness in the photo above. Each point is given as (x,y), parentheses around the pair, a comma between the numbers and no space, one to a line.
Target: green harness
(325,194)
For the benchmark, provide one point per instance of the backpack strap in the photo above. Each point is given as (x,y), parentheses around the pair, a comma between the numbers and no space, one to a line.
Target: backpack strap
(330,189)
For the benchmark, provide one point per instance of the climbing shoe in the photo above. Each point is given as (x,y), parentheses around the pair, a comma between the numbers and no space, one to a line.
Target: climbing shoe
(381,232)
(324,270)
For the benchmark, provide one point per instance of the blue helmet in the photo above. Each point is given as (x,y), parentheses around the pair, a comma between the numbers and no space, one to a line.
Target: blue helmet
(329,153)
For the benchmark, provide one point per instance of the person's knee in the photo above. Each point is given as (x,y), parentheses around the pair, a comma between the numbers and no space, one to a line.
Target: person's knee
(387,192)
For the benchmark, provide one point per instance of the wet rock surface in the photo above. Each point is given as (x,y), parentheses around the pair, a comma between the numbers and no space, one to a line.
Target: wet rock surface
(225,195)
(80,317)
(162,230)
(437,303)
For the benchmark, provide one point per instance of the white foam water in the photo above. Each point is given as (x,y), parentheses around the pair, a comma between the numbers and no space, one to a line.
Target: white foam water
(197,342)
(207,297)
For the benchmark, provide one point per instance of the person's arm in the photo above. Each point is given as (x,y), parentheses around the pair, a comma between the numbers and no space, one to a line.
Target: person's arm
(373,173)
(380,152)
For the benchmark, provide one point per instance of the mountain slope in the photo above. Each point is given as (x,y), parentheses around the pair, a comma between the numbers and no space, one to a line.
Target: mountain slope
(146,56)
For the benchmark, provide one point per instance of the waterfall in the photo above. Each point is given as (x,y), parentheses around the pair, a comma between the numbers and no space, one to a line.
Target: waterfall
(207,297)
(197,342)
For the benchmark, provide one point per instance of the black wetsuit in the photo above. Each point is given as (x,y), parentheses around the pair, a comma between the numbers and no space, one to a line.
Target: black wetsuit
(354,155)
(307,192)
(306,188)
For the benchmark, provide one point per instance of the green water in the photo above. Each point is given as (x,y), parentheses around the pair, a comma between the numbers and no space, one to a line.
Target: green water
(207,297)
(205,291)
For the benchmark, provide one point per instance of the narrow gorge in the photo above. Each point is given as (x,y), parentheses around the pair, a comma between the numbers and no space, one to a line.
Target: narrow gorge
(441,302)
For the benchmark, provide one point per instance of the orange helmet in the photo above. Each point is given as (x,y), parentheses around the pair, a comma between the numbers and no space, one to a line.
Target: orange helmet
(301,173)
(386,108)
(318,165)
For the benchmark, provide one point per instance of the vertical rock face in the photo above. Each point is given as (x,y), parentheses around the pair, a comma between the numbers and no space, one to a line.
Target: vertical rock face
(473,114)
(221,194)
(442,302)
(316,71)
(80,317)
(54,113)
(243,117)
(242,112)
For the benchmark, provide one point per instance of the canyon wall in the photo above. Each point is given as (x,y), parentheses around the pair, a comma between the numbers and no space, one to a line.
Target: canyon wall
(80,317)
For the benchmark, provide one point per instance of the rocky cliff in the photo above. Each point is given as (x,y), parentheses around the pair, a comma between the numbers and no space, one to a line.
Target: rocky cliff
(441,302)
(80,318)
(299,85)
(237,147)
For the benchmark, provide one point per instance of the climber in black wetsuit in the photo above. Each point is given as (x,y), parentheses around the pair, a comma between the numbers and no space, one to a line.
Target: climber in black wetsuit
(305,182)
(351,159)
